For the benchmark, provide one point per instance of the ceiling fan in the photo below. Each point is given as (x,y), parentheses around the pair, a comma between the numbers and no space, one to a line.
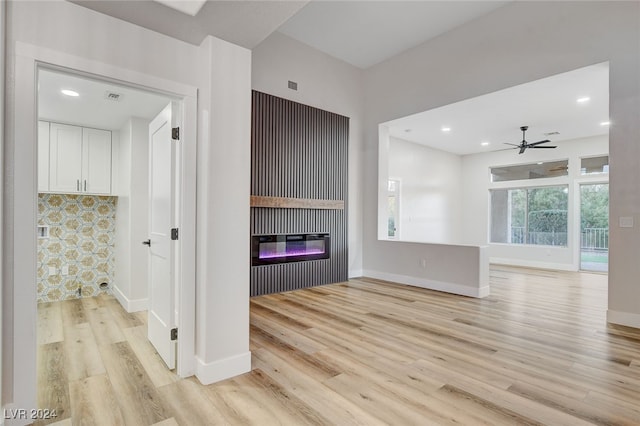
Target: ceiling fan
(524,144)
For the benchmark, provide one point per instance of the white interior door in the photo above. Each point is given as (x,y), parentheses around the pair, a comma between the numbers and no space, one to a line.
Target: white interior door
(162,218)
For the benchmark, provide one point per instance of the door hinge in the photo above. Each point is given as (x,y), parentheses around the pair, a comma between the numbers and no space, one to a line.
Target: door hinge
(174,334)
(174,233)
(175,133)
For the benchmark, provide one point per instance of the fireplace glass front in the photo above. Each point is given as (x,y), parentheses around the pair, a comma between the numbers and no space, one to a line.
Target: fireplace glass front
(269,249)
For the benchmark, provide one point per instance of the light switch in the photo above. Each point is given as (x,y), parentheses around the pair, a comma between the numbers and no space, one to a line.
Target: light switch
(626,222)
(52,270)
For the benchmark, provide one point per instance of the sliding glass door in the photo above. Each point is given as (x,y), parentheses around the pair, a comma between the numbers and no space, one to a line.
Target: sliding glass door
(594,227)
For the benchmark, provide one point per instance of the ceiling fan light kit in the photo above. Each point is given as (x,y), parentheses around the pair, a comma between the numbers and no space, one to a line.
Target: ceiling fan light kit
(524,145)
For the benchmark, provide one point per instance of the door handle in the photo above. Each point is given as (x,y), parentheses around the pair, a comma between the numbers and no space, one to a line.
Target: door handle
(147,243)
(78,185)
(85,185)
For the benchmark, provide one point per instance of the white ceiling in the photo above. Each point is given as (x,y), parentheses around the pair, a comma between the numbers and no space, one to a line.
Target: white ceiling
(361,33)
(364,33)
(242,22)
(546,105)
(91,108)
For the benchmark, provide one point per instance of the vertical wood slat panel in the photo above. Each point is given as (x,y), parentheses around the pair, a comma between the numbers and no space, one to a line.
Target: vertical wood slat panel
(301,152)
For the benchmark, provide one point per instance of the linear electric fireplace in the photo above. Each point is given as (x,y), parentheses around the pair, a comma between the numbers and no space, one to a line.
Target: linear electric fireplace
(269,249)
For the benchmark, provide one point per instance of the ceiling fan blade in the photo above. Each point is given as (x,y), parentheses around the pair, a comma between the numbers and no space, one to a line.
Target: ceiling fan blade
(539,142)
(522,148)
(512,144)
(546,146)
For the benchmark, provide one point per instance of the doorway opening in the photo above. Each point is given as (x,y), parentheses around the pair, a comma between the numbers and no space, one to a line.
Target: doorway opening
(95,178)
(594,227)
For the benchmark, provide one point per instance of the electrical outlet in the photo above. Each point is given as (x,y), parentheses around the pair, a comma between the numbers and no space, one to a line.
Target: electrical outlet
(423,263)
(52,270)
(65,270)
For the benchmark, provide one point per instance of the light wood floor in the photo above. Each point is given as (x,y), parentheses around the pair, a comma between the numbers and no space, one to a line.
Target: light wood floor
(537,351)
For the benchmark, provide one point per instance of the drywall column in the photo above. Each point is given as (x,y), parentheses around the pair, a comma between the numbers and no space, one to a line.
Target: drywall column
(3,19)
(224,171)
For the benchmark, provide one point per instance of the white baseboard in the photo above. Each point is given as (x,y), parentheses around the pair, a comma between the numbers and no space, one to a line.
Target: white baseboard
(223,369)
(357,273)
(453,288)
(623,318)
(532,264)
(130,305)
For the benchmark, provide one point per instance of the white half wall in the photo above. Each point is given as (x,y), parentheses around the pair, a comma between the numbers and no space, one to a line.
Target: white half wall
(430,192)
(326,83)
(456,269)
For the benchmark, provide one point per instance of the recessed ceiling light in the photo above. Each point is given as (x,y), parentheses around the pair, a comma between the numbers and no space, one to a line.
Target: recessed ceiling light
(446,129)
(605,123)
(484,143)
(539,162)
(69,92)
(583,99)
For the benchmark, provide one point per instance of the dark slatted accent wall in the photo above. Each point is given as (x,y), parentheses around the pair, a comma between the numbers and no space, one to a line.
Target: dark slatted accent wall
(301,152)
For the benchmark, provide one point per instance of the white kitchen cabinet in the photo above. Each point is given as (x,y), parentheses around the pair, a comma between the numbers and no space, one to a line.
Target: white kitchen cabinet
(43,156)
(79,160)
(96,161)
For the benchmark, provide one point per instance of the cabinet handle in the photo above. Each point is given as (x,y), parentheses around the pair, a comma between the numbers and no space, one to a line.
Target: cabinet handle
(78,185)
(85,185)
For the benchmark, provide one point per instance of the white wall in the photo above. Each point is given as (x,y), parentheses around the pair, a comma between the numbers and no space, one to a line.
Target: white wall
(77,37)
(326,83)
(132,215)
(477,183)
(430,192)
(501,50)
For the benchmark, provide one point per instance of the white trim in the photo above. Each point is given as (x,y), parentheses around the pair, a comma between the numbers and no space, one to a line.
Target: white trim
(23,257)
(533,264)
(454,288)
(130,305)
(223,369)
(623,318)
(356,273)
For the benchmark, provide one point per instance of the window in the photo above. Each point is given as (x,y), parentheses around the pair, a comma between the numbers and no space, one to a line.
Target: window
(594,165)
(535,216)
(393,199)
(541,169)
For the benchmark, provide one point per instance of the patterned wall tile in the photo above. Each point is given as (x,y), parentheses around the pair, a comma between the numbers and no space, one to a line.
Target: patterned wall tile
(81,237)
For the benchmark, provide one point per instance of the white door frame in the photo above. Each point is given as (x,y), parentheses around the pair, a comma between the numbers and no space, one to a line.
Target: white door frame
(21,258)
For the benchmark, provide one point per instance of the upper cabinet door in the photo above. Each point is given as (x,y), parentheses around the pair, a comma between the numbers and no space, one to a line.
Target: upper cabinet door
(43,156)
(96,161)
(65,155)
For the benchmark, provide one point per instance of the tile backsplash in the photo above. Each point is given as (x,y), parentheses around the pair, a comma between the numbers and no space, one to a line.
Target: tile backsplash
(78,254)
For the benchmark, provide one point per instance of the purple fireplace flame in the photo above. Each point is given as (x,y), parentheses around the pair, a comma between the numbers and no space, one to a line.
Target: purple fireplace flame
(267,249)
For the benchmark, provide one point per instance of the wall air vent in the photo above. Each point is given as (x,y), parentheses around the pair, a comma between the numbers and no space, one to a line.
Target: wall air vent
(113,96)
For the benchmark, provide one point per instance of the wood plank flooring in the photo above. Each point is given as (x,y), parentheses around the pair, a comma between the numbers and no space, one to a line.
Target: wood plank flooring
(364,352)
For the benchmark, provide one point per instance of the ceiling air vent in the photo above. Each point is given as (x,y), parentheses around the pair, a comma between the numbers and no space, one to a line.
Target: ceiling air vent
(551,133)
(112,96)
